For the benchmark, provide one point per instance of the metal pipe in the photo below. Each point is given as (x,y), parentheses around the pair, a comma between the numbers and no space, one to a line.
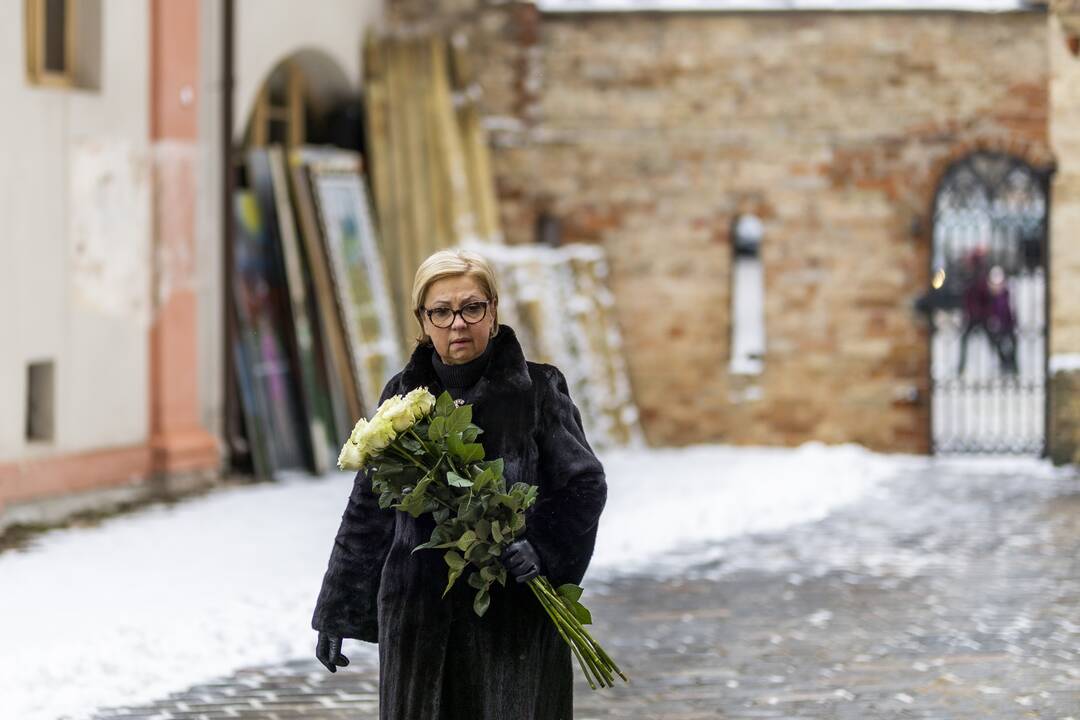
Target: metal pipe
(230,406)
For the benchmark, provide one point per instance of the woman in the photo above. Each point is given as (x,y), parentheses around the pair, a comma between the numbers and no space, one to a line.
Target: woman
(437,659)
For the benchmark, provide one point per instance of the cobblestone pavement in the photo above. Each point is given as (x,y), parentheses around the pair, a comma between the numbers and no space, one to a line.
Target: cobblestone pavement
(948,593)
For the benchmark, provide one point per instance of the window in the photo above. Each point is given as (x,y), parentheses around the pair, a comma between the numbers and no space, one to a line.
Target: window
(50,41)
(40,401)
(747,297)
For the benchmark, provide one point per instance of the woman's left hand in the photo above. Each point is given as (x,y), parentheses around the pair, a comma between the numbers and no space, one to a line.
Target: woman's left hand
(522,560)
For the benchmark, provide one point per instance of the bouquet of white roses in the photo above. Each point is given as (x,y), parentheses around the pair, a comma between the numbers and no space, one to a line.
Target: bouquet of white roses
(424,458)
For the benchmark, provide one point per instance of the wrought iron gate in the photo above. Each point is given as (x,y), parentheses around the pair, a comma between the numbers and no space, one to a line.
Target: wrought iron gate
(988,339)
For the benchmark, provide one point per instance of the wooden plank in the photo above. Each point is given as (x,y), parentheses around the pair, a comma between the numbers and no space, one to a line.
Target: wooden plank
(474,140)
(313,385)
(342,384)
(344,212)
(258,288)
(458,202)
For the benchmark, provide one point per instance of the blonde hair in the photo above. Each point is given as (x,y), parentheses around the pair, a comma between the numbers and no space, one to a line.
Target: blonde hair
(449,263)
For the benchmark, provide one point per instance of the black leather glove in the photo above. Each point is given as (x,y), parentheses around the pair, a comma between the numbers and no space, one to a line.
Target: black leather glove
(521,559)
(328,650)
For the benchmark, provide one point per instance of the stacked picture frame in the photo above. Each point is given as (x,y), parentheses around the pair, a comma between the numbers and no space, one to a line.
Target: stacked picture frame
(316,336)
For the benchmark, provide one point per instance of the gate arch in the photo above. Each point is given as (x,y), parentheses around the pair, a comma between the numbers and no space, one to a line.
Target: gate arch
(989,332)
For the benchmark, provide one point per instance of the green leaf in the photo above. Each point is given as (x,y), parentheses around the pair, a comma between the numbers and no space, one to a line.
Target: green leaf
(483,529)
(444,404)
(386,500)
(496,532)
(496,467)
(437,429)
(459,419)
(388,467)
(469,434)
(581,613)
(456,446)
(411,445)
(455,480)
(482,479)
(470,516)
(451,578)
(477,551)
(433,543)
(517,522)
(530,498)
(454,560)
(473,451)
(466,540)
(570,591)
(441,515)
(481,602)
(494,573)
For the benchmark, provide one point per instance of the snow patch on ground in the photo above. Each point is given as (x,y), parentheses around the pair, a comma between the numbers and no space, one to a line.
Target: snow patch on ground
(161,599)
(666,505)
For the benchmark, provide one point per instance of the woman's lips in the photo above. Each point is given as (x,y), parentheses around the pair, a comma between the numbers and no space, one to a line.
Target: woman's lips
(458,342)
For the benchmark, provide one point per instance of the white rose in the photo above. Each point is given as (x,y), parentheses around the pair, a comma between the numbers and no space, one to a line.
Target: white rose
(358,430)
(420,401)
(350,458)
(379,434)
(397,412)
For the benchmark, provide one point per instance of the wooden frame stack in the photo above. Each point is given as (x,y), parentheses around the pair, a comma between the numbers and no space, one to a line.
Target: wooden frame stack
(558,302)
(432,175)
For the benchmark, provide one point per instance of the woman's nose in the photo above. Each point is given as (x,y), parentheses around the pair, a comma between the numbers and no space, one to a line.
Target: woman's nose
(459,322)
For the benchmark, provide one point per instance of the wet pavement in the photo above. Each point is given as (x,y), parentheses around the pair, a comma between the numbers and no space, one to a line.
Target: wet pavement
(951,592)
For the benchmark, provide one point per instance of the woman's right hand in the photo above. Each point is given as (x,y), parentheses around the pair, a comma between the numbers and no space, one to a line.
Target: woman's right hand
(328,651)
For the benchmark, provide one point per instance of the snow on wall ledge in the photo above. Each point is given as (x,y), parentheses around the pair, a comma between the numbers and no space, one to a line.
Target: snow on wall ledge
(1064,362)
(604,6)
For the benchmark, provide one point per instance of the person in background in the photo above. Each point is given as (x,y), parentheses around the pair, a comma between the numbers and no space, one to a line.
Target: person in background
(1001,323)
(976,301)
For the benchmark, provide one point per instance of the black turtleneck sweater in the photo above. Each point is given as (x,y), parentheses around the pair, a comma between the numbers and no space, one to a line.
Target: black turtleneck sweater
(459,379)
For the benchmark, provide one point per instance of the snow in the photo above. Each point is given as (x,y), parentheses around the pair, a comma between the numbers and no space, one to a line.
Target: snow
(666,505)
(158,600)
(1064,363)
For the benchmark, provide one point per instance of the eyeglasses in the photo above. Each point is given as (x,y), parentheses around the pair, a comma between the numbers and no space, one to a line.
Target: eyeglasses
(443,317)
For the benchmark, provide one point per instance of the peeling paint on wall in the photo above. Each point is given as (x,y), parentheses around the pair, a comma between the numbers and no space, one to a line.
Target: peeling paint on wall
(174,221)
(110,228)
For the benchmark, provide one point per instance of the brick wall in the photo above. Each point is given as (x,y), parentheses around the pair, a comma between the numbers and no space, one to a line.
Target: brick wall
(1064,432)
(649,133)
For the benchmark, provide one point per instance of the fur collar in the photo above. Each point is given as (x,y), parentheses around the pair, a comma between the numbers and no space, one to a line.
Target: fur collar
(506,372)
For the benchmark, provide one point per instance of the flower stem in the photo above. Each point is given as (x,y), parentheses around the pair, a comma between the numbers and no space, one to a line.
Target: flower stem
(575,629)
(562,632)
(578,630)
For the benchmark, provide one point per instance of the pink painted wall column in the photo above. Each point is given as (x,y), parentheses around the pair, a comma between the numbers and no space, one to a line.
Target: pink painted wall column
(178,442)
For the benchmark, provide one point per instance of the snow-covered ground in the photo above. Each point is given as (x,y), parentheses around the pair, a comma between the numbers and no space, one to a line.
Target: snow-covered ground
(158,600)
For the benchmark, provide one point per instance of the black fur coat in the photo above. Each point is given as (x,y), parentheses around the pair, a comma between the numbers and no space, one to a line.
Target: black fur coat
(437,660)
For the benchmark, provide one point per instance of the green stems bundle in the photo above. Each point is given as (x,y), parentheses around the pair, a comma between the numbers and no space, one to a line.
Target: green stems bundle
(424,458)
(565,611)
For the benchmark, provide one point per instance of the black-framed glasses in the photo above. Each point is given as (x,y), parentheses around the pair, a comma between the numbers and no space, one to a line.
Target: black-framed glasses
(471,313)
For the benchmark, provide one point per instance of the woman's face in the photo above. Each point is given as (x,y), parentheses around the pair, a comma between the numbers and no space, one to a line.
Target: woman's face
(460,342)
